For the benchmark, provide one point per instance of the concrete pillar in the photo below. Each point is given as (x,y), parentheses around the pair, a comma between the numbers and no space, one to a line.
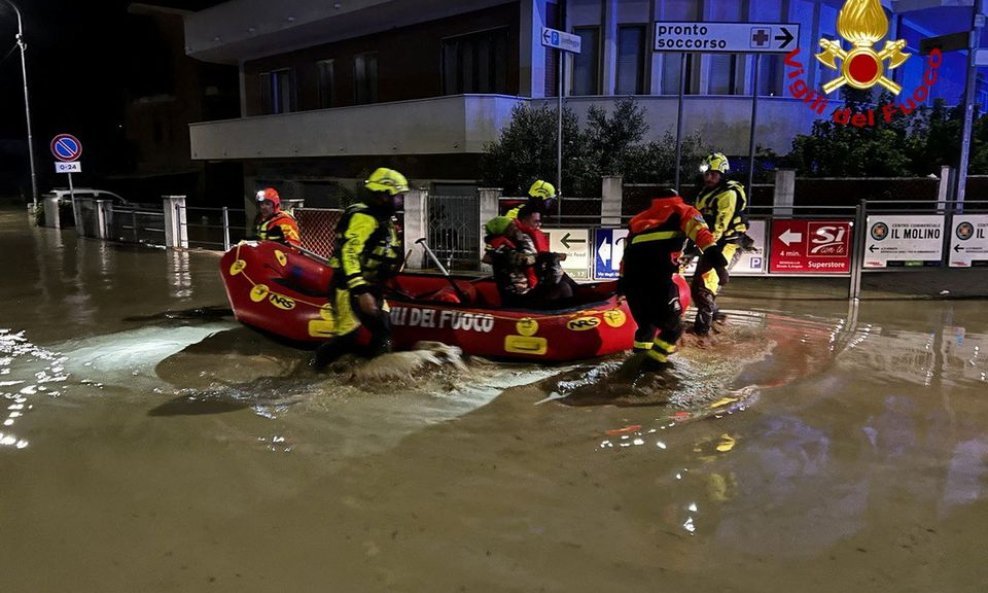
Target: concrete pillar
(51,213)
(947,176)
(103,217)
(612,192)
(531,67)
(416,227)
(785,192)
(176,229)
(488,210)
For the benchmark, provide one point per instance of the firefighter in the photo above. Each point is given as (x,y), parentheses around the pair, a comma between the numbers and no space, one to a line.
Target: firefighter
(366,255)
(273,223)
(541,197)
(655,242)
(724,207)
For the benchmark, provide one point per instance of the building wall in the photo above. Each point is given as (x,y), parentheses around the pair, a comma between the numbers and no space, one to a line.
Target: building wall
(409,61)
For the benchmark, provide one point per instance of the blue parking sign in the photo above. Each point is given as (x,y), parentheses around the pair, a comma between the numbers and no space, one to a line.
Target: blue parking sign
(608,252)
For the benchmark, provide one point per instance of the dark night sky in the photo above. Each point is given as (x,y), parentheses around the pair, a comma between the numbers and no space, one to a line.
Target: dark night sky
(78,57)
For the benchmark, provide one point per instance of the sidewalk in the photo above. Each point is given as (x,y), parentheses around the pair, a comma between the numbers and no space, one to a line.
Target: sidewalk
(916,283)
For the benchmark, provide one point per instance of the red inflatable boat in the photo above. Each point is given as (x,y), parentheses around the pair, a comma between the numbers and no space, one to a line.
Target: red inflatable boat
(282,291)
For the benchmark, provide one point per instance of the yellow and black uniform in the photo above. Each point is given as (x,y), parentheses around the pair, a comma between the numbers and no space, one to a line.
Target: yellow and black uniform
(725,210)
(282,226)
(367,254)
(652,249)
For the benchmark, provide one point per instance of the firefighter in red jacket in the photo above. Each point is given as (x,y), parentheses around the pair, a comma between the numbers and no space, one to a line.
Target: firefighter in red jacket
(651,258)
(273,223)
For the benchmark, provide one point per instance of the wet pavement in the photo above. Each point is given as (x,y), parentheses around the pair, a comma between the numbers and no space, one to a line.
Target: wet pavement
(150,443)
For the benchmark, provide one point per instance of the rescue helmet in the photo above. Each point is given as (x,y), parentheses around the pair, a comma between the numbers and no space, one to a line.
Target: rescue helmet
(715,162)
(387,180)
(542,189)
(269,194)
(497,226)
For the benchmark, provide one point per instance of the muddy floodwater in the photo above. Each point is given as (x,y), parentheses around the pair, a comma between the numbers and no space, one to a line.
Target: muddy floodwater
(150,443)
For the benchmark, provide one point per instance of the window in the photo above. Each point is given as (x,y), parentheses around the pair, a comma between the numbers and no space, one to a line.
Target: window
(723,74)
(365,78)
(671,70)
(630,60)
(278,91)
(586,64)
(327,80)
(476,63)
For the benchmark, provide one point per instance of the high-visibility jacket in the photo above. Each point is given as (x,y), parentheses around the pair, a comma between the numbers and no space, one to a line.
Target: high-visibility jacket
(656,237)
(368,249)
(725,210)
(282,226)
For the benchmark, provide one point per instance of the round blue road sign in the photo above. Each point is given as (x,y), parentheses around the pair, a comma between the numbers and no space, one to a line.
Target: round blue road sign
(66,147)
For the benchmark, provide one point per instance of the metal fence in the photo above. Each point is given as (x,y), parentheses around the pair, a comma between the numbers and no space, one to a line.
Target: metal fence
(454,230)
(136,225)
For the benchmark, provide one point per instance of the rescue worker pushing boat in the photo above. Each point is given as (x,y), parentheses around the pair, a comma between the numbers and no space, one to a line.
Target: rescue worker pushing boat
(652,250)
(367,253)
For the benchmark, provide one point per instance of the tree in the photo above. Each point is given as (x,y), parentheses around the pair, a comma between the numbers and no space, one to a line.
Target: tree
(526,150)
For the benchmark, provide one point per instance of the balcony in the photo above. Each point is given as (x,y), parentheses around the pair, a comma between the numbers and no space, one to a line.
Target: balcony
(459,124)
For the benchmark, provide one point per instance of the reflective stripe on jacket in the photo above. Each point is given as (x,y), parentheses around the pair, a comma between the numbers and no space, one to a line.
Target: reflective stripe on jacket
(282,226)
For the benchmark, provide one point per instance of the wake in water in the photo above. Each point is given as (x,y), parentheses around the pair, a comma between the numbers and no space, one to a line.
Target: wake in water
(711,375)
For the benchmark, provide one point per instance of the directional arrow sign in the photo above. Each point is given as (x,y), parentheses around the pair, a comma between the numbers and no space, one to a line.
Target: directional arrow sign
(789,237)
(872,248)
(784,38)
(958,248)
(561,40)
(604,252)
(568,241)
(707,37)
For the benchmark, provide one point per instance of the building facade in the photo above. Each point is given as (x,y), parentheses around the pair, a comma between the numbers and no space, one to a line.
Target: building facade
(330,90)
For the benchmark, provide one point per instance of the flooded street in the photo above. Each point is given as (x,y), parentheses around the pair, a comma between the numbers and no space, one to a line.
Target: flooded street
(148,442)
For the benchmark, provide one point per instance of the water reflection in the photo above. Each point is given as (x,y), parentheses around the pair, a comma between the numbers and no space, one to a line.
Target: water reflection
(179,274)
(848,430)
(17,391)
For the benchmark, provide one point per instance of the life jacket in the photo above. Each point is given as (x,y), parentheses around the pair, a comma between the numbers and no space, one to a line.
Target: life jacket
(282,226)
(708,203)
(539,239)
(368,248)
(656,235)
(511,276)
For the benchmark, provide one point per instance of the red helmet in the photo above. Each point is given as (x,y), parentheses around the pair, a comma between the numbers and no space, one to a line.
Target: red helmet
(269,194)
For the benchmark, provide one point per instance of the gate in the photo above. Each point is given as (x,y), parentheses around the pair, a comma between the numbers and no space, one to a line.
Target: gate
(454,229)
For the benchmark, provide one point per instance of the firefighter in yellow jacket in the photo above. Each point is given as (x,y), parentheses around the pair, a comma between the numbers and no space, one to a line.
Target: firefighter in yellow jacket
(366,255)
(724,207)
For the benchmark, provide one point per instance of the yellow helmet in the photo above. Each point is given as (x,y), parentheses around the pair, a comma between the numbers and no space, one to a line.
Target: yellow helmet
(542,189)
(715,162)
(387,180)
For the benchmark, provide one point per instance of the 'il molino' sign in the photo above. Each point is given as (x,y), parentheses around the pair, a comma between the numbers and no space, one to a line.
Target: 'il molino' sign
(862,23)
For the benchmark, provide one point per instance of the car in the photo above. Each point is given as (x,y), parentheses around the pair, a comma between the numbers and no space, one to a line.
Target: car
(64,196)
(64,201)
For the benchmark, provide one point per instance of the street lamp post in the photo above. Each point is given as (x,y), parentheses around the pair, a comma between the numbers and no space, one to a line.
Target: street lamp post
(27,105)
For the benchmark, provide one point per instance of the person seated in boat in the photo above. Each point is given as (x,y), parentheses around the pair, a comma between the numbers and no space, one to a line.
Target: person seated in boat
(655,242)
(541,196)
(367,254)
(273,223)
(528,276)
